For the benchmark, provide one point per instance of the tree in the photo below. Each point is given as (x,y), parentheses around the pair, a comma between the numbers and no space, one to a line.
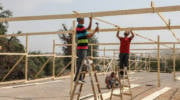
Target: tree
(11,44)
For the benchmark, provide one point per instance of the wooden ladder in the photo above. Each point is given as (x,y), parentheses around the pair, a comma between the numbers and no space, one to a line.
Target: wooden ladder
(93,79)
(124,85)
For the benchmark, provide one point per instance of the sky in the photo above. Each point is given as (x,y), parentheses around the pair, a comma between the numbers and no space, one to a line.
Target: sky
(51,7)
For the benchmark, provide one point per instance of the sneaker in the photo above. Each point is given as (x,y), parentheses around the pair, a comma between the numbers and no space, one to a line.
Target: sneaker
(81,81)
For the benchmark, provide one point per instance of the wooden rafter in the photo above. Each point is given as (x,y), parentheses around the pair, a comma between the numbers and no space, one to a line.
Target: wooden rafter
(101,30)
(95,14)
(119,27)
(166,22)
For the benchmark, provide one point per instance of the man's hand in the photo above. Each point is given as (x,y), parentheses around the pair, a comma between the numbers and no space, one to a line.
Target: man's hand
(90,23)
(90,18)
(97,29)
(118,29)
(132,33)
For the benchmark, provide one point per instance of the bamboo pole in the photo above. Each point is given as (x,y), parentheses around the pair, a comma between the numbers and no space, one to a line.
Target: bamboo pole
(95,14)
(64,68)
(20,59)
(101,30)
(54,60)
(117,26)
(136,43)
(167,23)
(37,33)
(61,56)
(135,65)
(12,82)
(92,50)
(42,67)
(158,63)
(104,61)
(114,62)
(12,54)
(174,62)
(26,60)
(73,56)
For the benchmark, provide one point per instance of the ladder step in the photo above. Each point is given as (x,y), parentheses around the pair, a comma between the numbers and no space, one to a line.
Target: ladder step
(77,93)
(83,72)
(127,93)
(116,94)
(126,86)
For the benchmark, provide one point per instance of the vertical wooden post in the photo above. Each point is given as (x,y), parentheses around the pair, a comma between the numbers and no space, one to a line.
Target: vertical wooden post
(54,60)
(73,58)
(174,62)
(158,61)
(91,50)
(135,65)
(26,60)
(113,63)
(149,63)
(129,62)
(104,61)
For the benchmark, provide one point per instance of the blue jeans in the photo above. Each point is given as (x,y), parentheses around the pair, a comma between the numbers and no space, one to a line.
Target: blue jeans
(82,55)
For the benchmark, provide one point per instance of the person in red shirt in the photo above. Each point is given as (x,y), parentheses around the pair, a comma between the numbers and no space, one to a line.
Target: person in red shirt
(124,49)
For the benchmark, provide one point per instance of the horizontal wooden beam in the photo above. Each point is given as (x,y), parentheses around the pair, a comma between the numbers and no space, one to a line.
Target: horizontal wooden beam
(101,30)
(12,54)
(95,14)
(140,28)
(37,33)
(136,49)
(137,43)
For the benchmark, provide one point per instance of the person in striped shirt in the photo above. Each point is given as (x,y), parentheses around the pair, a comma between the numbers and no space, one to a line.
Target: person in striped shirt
(82,44)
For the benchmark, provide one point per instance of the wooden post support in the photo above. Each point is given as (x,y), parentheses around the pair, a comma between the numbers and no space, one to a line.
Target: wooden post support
(149,63)
(73,56)
(42,67)
(174,62)
(92,51)
(14,66)
(54,61)
(104,61)
(158,61)
(26,60)
(114,61)
(129,66)
(135,65)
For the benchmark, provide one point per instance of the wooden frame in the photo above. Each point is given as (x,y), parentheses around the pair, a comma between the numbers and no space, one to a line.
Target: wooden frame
(94,14)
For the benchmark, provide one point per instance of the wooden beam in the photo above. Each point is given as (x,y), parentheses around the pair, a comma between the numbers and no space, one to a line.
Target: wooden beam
(174,62)
(14,66)
(54,60)
(61,72)
(36,33)
(73,59)
(166,22)
(94,14)
(42,67)
(158,62)
(101,30)
(117,26)
(26,58)
(12,54)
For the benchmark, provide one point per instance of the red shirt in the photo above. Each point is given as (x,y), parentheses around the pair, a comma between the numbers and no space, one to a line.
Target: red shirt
(125,45)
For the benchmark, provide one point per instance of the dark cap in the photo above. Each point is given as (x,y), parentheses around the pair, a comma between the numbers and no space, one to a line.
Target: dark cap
(79,19)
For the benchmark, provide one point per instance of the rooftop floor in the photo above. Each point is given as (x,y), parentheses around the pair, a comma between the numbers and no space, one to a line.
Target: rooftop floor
(143,88)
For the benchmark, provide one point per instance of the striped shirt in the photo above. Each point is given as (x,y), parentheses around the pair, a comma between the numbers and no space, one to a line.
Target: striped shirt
(81,34)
